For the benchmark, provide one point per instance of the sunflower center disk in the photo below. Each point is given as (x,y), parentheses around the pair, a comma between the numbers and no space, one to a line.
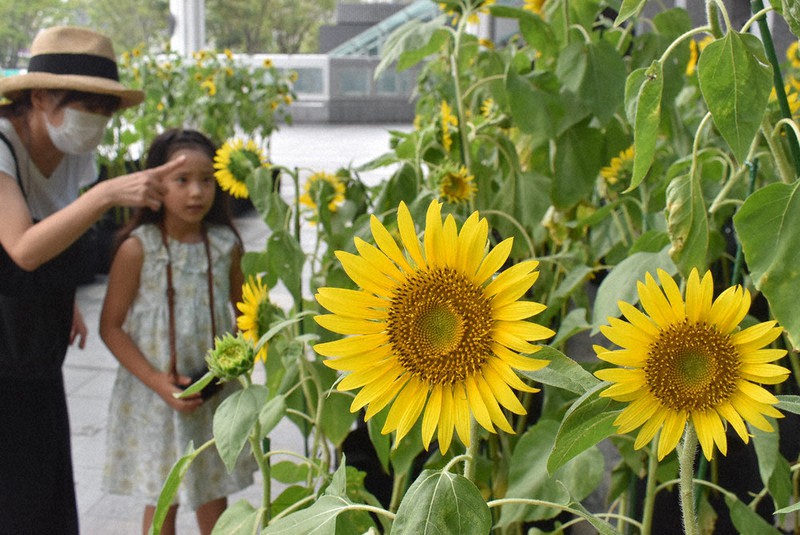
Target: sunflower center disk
(440,326)
(691,366)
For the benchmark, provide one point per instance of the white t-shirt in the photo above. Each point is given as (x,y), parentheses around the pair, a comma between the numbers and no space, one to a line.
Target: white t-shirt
(46,195)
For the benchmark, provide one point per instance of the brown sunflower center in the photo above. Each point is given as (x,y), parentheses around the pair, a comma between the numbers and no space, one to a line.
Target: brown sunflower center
(440,325)
(692,366)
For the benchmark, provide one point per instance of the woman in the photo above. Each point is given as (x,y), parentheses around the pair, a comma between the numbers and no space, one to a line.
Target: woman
(56,118)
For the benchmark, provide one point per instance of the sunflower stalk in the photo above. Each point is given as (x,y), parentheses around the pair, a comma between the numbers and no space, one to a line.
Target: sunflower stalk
(686,457)
(650,489)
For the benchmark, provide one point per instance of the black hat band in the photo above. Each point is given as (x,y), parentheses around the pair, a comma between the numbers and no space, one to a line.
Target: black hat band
(76,64)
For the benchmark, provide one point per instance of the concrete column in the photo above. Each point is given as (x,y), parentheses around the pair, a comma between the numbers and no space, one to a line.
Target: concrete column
(189,34)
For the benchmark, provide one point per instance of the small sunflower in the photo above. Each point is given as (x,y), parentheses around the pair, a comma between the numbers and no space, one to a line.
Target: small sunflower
(315,182)
(457,186)
(793,54)
(210,87)
(255,308)
(488,107)
(620,169)
(234,162)
(448,120)
(267,64)
(433,334)
(534,6)
(685,361)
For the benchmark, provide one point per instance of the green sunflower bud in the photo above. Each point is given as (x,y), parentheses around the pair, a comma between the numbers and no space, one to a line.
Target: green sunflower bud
(231,357)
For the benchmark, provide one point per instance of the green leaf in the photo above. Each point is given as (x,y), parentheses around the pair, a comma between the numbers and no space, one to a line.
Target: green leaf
(595,73)
(577,162)
(170,489)
(528,476)
(746,520)
(441,503)
(766,445)
(562,372)
(240,518)
(286,259)
(629,8)
(766,225)
(271,414)
(410,43)
(198,385)
(573,323)
(233,421)
(736,79)
(588,421)
(336,416)
(318,519)
(687,223)
(620,284)
(788,403)
(646,121)
(537,111)
(267,201)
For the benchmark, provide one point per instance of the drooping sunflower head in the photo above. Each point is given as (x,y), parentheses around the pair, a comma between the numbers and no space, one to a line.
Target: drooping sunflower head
(256,310)
(617,174)
(234,162)
(431,330)
(456,186)
(448,122)
(686,361)
(326,186)
(534,6)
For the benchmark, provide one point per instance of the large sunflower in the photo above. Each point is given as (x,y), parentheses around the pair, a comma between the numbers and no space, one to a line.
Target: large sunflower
(234,162)
(431,329)
(255,308)
(687,360)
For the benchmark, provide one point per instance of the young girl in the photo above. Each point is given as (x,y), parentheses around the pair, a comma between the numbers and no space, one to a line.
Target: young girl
(171,269)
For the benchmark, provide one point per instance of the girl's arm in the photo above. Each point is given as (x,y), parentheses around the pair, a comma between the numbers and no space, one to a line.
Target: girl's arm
(31,245)
(237,278)
(123,285)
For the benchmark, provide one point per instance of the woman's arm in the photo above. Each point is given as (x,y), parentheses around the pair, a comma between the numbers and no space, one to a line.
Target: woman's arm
(31,245)
(123,285)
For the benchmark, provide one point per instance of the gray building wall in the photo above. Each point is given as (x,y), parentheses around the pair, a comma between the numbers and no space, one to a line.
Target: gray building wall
(351,20)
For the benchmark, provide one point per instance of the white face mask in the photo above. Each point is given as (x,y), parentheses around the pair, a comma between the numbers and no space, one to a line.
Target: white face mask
(80,132)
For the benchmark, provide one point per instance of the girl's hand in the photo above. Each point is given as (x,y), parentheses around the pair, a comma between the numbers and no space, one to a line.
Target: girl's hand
(78,330)
(164,385)
(143,188)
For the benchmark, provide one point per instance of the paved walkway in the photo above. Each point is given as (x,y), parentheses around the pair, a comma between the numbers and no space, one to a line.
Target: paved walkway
(89,373)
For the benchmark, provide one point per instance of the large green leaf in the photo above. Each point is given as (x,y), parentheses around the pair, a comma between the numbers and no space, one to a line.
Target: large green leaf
(234,419)
(647,118)
(537,111)
(318,519)
(240,518)
(747,520)
(620,284)
(687,223)
(595,73)
(441,503)
(170,489)
(588,421)
(577,162)
(528,476)
(629,8)
(562,372)
(766,225)
(736,81)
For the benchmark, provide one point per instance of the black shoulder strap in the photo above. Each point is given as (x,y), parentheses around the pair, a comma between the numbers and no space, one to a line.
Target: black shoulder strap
(5,140)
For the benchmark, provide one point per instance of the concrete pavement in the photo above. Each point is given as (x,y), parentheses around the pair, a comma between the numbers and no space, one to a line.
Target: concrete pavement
(89,373)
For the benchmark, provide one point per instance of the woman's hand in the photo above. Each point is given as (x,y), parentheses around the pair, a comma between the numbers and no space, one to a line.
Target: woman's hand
(142,188)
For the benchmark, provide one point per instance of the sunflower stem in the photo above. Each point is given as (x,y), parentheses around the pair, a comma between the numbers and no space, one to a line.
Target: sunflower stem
(471,462)
(686,458)
(650,489)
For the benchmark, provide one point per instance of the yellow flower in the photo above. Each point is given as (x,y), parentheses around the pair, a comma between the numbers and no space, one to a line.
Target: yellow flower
(694,52)
(267,63)
(432,333)
(287,99)
(534,6)
(683,361)
(457,186)
(293,76)
(793,54)
(486,43)
(210,87)
(487,107)
(255,308)
(448,120)
(234,162)
(311,190)
(228,53)
(620,169)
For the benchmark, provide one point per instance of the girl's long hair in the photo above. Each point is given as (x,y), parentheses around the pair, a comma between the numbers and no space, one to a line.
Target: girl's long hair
(161,150)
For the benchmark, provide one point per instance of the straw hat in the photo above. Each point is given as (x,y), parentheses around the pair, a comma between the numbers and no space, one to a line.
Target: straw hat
(65,57)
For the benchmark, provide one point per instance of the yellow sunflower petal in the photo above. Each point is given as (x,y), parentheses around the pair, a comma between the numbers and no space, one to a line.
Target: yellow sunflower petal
(352,303)
(340,325)
(471,244)
(477,406)
(671,432)
(354,345)
(446,418)
(654,302)
(365,275)
(461,413)
(408,235)
(495,412)
(494,260)
(450,241)
(378,260)
(434,238)
(518,310)
(517,361)
(502,392)
(727,411)
(387,244)
(431,417)
(673,294)
(649,429)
